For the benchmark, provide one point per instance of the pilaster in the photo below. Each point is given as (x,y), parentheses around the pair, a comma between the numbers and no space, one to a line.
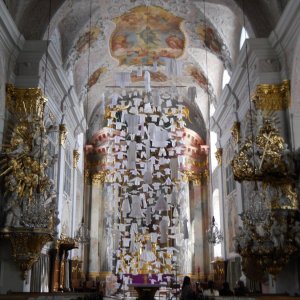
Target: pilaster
(96,224)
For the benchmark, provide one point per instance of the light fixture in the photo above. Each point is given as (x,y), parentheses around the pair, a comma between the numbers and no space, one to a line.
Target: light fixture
(257,210)
(214,235)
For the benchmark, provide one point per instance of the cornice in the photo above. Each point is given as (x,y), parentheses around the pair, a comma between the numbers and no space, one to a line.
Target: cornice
(61,82)
(10,37)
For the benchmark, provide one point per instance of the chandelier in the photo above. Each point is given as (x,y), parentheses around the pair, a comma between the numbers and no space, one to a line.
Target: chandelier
(214,235)
(257,210)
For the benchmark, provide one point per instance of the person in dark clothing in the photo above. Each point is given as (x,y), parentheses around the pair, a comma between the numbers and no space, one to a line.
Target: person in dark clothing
(187,292)
(225,290)
(199,291)
(240,289)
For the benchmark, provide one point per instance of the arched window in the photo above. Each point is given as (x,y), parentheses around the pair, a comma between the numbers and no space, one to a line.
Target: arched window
(226,78)
(244,36)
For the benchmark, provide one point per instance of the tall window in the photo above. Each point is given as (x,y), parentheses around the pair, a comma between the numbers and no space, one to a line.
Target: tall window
(68,171)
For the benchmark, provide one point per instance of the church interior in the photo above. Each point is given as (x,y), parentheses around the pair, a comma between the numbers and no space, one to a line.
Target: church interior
(143,141)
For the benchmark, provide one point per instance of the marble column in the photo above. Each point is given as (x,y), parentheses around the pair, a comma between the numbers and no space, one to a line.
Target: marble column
(197,217)
(105,229)
(205,223)
(95,221)
(75,221)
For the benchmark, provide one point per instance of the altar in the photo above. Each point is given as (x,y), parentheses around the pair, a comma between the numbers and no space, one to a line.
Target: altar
(145,291)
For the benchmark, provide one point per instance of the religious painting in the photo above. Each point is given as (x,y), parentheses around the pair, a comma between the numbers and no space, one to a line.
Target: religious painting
(199,77)
(210,38)
(87,39)
(95,76)
(145,34)
(155,77)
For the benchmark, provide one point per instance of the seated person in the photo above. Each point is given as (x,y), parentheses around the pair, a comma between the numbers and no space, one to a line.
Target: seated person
(210,291)
(187,292)
(225,290)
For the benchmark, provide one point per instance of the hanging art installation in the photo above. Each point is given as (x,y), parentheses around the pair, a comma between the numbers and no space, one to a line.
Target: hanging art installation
(144,167)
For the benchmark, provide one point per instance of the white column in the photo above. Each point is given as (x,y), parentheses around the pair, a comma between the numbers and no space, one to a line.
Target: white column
(60,181)
(199,236)
(95,208)
(74,222)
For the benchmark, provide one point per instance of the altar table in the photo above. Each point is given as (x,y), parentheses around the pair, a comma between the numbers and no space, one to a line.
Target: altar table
(145,291)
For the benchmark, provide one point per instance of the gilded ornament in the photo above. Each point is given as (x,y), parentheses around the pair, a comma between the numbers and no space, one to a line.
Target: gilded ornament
(265,158)
(281,196)
(270,244)
(107,114)
(26,246)
(99,177)
(185,112)
(108,110)
(62,134)
(236,131)
(218,155)
(270,97)
(25,157)
(25,102)
(67,242)
(30,216)
(76,156)
(191,176)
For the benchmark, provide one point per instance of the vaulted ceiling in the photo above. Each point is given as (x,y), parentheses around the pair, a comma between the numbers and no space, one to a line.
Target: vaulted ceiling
(98,38)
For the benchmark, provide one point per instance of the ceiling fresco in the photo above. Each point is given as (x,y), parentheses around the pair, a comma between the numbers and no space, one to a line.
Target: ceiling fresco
(145,34)
(87,39)
(95,76)
(210,38)
(98,38)
(155,76)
